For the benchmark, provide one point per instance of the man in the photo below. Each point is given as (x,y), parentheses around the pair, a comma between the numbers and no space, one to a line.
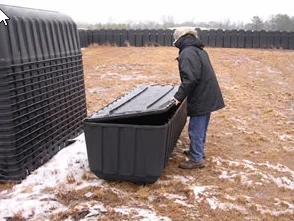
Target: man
(200,86)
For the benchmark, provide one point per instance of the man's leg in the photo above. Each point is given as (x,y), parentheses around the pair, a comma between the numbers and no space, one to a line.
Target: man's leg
(206,126)
(197,134)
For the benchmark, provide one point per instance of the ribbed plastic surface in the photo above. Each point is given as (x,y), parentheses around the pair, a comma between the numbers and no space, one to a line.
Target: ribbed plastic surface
(134,144)
(42,94)
(143,100)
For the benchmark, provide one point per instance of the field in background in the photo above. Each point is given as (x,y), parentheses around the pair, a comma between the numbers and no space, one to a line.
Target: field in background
(250,144)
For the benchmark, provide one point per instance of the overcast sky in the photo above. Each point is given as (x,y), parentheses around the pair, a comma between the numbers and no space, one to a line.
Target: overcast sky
(121,11)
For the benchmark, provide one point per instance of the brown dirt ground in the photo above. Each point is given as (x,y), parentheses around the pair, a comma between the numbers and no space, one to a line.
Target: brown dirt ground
(256,126)
(250,145)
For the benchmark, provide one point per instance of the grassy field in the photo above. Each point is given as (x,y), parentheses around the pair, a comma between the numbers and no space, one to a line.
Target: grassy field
(249,172)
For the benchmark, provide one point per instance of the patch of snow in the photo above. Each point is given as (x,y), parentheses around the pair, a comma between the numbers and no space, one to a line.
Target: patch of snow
(286,137)
(126,77)
(143,214)
(246,181)
(183,179)
(174,196)
(263,210)
(98,90)
(215,204)
(289,149)
(88,195)
(28,207)
(230,197)
(212,203)
(283,181)
(91,183)
(200,191)
(183,203)
(96,210)
(30,198)
(178,199)
(225,175)
(273,70)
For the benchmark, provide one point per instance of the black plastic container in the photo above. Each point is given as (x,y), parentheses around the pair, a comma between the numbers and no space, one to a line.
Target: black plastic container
(131,139)
(212,38)
(227,38)
(248,39)
(241,38)
(219,38)
(42,93)
(168,37)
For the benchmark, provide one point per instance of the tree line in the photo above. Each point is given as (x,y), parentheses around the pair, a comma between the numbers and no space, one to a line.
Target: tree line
(279,22)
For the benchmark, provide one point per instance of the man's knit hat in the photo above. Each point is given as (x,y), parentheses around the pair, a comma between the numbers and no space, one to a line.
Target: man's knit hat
(179,32)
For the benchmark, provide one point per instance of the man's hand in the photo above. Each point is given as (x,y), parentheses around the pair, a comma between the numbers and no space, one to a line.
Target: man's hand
(176,101)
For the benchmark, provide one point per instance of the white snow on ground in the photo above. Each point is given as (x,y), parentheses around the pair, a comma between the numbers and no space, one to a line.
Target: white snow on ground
(143,214)
(289,149)
(32,201)
(178,199)
(206,193)
(199,190)
(183,179)
(289,210)
(286,137)
(94,211)
(246,170)
(215,204)
(124,77)
(71,162)
(27,197)
(251,169)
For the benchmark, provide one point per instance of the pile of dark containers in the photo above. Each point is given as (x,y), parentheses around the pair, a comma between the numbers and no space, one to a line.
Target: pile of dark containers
(43,106)
(42,94)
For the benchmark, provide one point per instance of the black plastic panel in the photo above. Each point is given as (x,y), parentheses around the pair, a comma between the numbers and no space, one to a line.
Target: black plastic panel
(160,37)
(212,38)
(248,39)
(168,37)
(153,37)
(241,39)
(132,37)
(139,38)
(219,38)
(227,39)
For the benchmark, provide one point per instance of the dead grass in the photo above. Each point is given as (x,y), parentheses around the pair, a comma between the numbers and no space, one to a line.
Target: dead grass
(7,185)
(257,88)
(254,129)
(16,217)
(74,214)
(70,179)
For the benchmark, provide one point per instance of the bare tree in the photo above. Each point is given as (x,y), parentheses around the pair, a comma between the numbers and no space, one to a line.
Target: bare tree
(281,23)
(256,24)
(168,21)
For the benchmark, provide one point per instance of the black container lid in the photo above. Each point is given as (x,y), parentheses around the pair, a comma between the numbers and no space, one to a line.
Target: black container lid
(142,100)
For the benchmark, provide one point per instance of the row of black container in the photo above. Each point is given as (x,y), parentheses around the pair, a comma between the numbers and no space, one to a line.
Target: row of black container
(42,93)
(212,38)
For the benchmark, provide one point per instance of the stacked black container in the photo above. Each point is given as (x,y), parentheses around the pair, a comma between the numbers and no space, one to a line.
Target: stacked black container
(132,138)
(42,93)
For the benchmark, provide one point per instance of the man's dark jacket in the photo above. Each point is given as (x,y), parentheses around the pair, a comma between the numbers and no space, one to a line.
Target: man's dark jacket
(198,81)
